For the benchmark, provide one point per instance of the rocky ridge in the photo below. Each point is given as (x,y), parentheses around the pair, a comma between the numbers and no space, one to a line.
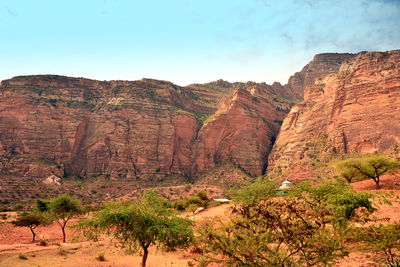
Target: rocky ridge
(354,110)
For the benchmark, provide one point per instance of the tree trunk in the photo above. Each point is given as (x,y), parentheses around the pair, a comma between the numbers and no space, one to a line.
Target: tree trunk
(63,232)
(33,235)
(376,180)
(145,254)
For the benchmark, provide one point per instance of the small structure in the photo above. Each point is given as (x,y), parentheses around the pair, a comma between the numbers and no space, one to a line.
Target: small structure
(285,185)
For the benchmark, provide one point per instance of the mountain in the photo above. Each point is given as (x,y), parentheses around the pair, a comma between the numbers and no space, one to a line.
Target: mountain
(354,110)
(146,131)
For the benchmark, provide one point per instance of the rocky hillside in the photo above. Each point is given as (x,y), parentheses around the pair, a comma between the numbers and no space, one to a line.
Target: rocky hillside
(146,129)
(354,110)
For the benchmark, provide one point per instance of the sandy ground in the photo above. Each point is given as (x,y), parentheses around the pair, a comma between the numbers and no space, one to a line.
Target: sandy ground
(16,240)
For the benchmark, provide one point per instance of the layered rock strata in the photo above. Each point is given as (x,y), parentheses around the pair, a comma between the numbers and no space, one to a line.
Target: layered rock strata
(354,110)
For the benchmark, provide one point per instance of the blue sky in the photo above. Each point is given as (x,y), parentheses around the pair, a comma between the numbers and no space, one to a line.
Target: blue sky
(187,41)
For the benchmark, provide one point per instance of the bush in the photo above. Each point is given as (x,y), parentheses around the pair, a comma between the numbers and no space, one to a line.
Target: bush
(199,200)
(101,257)
(42,243)
(338,196)
(254,192)
(22,257)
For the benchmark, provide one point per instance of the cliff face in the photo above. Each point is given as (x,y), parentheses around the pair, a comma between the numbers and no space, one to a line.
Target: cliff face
(144,129)
(242,131)
(354,110)
(53,124)
(134,130)
(320,66)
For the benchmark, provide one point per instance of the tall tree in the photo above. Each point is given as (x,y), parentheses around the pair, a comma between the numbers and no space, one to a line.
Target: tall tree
(62,209)
(140,224)
(368,167)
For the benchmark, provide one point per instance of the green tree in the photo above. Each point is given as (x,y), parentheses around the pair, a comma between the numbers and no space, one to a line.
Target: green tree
(30,220)
(254,192)
(385,238)
(280,231)
(368,167)
(140,224)
(341,198)
(62,209)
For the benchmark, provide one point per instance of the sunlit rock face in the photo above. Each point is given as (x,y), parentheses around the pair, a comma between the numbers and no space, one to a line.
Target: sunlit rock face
(354,110)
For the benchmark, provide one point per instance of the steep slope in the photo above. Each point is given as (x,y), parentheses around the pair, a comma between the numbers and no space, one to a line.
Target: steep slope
(320,66)
(145,129)
(242,131)
(61,125)
(355,110)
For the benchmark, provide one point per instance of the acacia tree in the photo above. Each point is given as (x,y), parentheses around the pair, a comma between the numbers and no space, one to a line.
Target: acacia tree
(369,167)
(275,232)
(62,209)
(30,220)
(140,224)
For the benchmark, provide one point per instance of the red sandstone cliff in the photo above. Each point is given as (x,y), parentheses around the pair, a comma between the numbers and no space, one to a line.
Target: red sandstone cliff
(143,129)
(354,110)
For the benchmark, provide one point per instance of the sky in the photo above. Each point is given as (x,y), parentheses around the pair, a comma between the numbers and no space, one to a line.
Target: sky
(187,41)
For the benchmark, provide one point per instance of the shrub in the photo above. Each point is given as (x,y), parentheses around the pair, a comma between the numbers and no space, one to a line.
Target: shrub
(101,257)
(22,257)
(200,199)
(62,252)
(42,243)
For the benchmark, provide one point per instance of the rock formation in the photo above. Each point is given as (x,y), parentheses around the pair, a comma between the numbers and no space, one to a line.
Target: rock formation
(146,129)
(354,110)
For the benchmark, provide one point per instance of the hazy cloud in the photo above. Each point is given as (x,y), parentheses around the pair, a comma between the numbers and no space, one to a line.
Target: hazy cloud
(10,12)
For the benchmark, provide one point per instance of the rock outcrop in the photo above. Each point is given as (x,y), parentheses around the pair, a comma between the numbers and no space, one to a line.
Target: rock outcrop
(354,110)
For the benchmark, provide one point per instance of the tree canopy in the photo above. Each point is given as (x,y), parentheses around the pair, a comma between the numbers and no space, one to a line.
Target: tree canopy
(60,209)
(141,224)
(368,167)
(30,220)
